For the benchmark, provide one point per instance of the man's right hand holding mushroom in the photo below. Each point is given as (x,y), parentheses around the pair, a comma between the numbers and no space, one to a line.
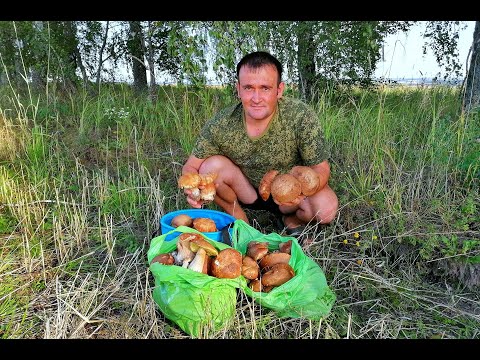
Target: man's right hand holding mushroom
(199,188)
(291,188)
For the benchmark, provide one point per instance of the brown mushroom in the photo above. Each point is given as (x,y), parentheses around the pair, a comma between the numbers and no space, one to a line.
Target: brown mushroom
(255,285)
(250,269)
(184,254)
(207,193)
(207,266)
(204,225)
(206,179)
(285,247)
(195,194)
(267,289)
(274,258)
(194,181)
(199,242)
(227,264)
(278,274)
(165,259)
(285,188)
(308,178)
(181,220)
(257,249)
(264,188)
(189,181)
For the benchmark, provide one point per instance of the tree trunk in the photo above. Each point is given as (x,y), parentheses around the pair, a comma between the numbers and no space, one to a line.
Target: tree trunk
(306,60)
(471,97)
(39,81)
(151,63)
(79,63)
(100,55)
(137,55)
(70,33)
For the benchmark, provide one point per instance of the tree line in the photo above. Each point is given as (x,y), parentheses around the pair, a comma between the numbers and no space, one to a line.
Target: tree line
(314,53)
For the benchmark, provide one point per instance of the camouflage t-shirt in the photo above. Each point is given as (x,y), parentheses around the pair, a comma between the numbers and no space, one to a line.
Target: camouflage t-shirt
(293,137)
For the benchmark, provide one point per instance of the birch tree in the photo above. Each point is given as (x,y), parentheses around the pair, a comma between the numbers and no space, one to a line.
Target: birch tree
(471,99)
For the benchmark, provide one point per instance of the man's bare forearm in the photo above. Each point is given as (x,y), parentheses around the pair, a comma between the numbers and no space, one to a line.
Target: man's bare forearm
(323,171)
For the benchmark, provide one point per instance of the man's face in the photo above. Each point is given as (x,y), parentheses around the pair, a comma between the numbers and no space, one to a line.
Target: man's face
(259,91)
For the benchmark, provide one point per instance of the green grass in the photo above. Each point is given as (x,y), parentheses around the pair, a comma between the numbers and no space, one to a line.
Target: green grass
(85,179)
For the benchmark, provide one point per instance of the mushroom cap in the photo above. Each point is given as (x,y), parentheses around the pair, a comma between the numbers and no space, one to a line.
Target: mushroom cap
(227,264)
(189,181)
(257,249)
(285,188)
(182,219)
(200,243)
(264,188)
(250,268)
(204,225)
(274,258)
(285,247)
(208,178)
(165,259)
(279,274)
(308,178)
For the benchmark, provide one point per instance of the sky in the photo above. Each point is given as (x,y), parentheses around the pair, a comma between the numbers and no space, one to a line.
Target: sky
(404,58)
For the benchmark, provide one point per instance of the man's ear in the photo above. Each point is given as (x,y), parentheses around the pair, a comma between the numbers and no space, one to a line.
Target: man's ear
(280,89)
(237,86)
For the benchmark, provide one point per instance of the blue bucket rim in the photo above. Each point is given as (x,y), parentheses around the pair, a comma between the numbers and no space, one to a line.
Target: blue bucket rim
(172,214)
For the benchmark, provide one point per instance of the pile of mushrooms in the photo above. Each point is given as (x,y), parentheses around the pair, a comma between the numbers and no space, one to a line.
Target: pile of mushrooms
(195,253)
(201,185)
(287,187)
(266,270)
(201,224)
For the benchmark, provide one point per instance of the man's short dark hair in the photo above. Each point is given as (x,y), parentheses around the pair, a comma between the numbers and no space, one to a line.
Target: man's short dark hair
(258,59)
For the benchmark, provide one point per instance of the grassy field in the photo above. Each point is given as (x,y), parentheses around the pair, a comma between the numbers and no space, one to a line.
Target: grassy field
(85,179)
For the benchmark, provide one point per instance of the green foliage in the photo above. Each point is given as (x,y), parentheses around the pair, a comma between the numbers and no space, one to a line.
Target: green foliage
(128,241)
(36,159)
(7,223)
(442,37)
(315,53)
(121,199)
(8,308)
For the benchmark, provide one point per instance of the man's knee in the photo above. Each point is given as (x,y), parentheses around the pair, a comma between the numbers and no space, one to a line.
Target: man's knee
(214,164)
(328,212)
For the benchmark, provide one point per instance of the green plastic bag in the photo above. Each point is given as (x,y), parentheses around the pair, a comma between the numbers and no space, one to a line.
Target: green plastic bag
(198,303)
(306,295)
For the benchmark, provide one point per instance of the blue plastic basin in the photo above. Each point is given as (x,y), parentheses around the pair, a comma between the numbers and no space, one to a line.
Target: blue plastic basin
(221,219)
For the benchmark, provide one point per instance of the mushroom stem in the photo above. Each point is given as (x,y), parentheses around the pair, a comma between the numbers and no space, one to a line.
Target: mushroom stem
(198,261)
(184,254)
